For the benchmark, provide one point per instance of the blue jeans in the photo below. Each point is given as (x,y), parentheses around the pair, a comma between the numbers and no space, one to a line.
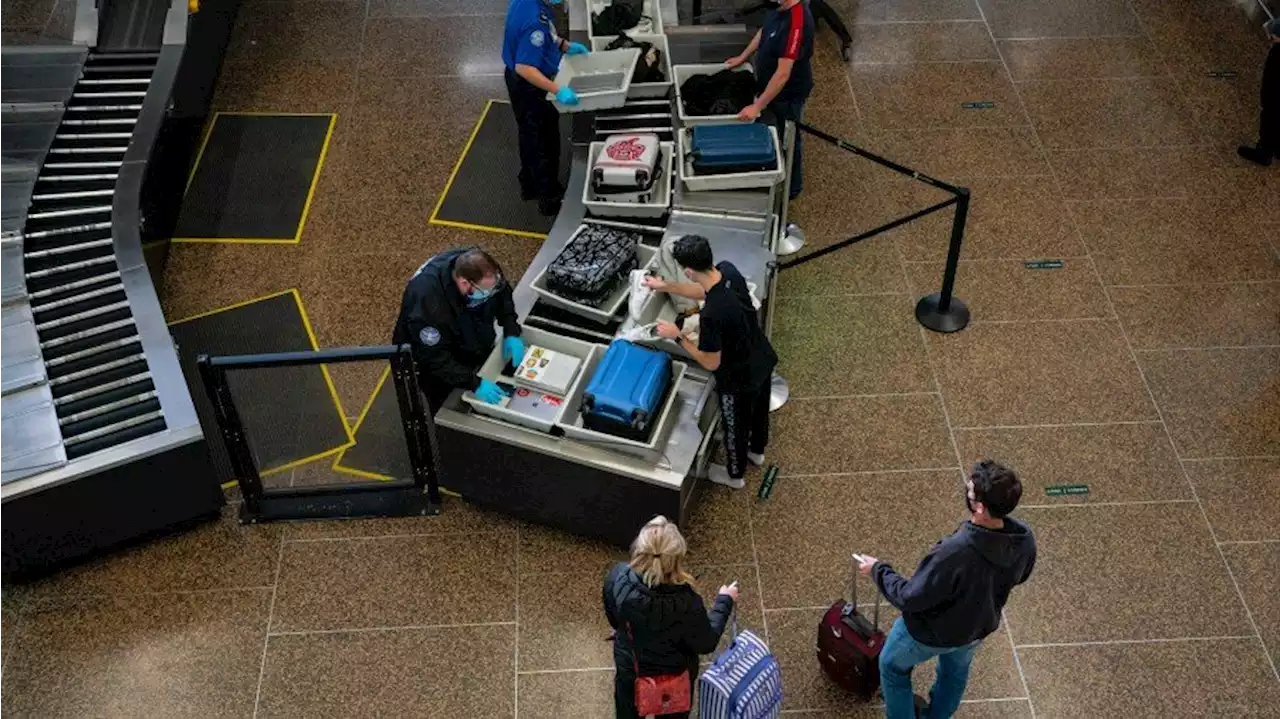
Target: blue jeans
(897,658)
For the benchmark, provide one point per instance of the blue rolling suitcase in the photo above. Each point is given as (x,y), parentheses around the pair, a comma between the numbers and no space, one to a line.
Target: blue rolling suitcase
(745,682)
(722,149)
(623,395)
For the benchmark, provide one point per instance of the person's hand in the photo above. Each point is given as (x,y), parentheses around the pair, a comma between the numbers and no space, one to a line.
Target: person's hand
(656,283)
(513,349)
(866,563)
(576,48)
(566,96)
(489,393)
(734,61)
(729,590)
(667,330)
(750,113)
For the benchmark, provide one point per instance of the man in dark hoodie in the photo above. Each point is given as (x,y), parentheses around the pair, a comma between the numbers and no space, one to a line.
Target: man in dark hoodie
(956,595)
(1268,145)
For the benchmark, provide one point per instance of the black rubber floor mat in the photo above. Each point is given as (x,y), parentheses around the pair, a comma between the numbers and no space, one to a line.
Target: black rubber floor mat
(379,451)
(484,191)
(291,415)
(253,178)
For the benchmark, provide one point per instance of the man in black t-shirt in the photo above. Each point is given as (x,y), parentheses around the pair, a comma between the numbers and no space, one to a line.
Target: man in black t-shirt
(730,344)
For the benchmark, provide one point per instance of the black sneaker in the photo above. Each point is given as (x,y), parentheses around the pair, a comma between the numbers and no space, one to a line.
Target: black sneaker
(1256,155)
(922,707)
(527,194)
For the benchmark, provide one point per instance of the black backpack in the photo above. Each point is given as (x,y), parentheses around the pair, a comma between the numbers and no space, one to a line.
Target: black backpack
(649,68)
(723,93)
(621,15)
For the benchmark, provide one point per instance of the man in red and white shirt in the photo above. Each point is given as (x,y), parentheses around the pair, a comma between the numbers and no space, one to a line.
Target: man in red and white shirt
(783,50)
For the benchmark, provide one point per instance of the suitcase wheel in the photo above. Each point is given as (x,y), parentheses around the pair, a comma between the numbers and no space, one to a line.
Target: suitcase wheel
(639,420)
(588,401)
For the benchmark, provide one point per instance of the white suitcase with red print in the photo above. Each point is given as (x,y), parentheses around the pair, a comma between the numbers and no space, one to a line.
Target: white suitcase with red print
(627,168)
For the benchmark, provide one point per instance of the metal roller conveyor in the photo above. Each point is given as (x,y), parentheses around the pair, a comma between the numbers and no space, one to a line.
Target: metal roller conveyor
(102,389)
(87,151)
(111,309)
(112,428)
(82,354)
(69,212)
(104,262)
(51,344)
(106,408)
(103,108)
(69,229)
(93,244)
(70,286)
(74,299)
(107,446)
(116,81)
(97,369)
(77,178)
(99,95)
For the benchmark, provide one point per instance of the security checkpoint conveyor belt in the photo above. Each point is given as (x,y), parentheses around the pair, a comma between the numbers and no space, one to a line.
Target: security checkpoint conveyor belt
(593,488)
(101,441)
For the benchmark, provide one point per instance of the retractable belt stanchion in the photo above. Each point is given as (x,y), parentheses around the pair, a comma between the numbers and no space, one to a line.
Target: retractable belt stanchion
(940,312)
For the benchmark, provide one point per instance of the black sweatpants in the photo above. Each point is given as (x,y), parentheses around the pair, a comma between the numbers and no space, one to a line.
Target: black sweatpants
(538,126)
(746,426)
(1269,130)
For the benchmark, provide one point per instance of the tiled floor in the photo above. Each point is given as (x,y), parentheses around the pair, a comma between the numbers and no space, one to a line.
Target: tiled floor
(1147,367)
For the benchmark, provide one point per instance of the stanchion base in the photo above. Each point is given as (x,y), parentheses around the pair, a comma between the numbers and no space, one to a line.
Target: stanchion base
(779,392)
(792,241)
(954,319)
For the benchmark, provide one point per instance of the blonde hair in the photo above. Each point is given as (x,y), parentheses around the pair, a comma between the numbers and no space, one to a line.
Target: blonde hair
(657,554)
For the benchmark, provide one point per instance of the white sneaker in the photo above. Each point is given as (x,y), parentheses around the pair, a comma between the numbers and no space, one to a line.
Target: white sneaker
(756,459)
(719,474)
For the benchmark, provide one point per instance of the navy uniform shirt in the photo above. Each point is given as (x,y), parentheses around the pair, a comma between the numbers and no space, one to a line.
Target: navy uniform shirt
(530,37)
(787,34)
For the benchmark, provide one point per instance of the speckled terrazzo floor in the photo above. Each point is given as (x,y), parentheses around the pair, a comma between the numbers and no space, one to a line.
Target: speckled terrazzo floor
(1147,367)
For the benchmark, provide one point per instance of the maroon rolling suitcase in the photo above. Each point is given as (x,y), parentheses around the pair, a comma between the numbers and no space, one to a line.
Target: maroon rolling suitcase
(849,645)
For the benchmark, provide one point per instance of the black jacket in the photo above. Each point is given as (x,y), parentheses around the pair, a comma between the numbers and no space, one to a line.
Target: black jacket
(450,340)
(956,595)
(671,624)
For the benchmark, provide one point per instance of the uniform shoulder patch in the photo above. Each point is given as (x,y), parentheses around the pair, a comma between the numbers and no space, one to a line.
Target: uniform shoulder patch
(430,336)
(538,38)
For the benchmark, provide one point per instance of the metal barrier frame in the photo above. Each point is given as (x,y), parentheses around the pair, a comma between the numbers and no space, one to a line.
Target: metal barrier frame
(419,495)
(940,312)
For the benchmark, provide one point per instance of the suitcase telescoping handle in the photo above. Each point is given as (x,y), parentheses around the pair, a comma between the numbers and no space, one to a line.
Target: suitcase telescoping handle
(853,594)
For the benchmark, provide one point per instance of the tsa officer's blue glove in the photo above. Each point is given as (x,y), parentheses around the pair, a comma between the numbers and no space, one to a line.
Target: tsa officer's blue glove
(576,48)
(513,350)
(489,392)
(566,96)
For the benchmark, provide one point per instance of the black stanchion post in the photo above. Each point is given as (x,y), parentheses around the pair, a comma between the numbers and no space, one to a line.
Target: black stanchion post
(942,312)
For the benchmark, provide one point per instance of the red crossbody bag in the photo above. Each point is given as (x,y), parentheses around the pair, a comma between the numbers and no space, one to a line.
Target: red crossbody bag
(663,694)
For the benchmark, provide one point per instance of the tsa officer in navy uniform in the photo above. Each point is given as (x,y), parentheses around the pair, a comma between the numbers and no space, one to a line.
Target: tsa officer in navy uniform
(531,51)
(447,316)
(784,72)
